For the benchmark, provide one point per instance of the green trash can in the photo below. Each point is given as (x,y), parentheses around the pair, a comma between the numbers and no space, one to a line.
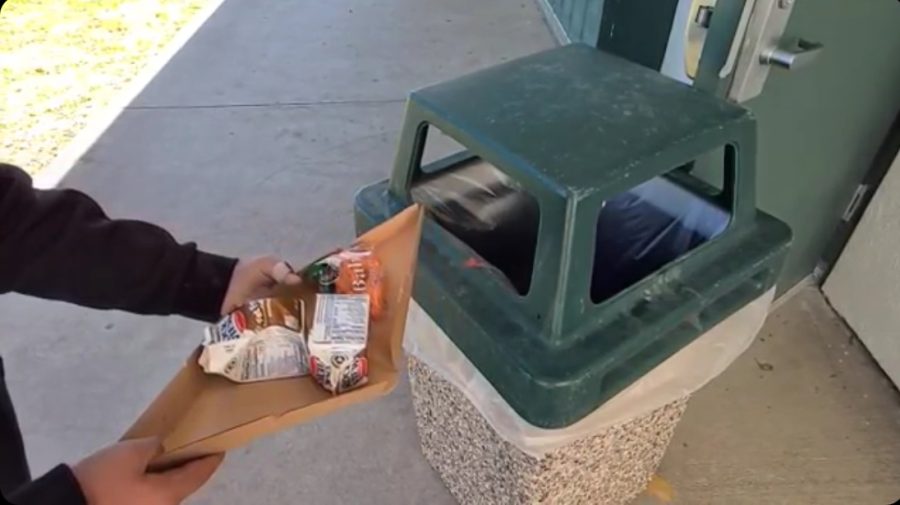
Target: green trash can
(573,245)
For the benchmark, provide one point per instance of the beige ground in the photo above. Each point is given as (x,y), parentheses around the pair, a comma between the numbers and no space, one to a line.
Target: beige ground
(804,417)
(61,60)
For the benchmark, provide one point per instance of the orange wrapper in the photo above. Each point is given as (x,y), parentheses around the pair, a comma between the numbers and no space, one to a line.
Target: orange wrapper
(361,273)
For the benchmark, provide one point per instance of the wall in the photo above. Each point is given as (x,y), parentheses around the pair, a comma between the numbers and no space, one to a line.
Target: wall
(864,286)
(634,29)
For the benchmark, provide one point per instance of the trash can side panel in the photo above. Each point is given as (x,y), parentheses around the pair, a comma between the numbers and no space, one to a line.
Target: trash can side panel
(479,467)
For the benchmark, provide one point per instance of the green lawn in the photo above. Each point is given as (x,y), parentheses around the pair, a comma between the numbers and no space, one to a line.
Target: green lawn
(61,60)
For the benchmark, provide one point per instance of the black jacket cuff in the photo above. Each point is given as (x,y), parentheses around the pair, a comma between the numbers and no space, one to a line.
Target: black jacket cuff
(204,287)
(57,487)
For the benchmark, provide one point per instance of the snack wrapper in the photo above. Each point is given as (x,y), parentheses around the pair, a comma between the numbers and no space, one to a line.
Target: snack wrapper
(353,271)
(337,341)
(262,340)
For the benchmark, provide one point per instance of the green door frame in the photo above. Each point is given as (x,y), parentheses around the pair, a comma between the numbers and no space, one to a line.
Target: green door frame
(637,30)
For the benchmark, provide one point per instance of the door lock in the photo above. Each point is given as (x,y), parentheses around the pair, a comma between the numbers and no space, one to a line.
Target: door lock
(704,16)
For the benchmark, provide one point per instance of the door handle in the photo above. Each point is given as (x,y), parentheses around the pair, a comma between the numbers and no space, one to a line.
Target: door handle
(799,53)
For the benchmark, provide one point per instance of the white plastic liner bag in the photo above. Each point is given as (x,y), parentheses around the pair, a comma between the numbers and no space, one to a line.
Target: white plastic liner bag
(684,373)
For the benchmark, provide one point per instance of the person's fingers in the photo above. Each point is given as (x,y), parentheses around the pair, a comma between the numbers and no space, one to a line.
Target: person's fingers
(257,278)
(283,273)
(139,452)
(181,482)
(280,271)
(292,279)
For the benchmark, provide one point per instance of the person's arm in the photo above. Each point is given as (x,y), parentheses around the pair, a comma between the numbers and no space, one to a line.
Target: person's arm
(57,487)
(59,244)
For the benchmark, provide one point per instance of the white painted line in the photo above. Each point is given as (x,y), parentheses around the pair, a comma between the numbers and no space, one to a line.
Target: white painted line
(99,122)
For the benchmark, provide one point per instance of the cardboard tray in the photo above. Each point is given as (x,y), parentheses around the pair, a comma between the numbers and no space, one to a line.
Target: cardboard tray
(199,414)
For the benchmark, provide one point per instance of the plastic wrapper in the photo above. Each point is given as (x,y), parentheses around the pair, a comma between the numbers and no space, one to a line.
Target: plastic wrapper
(679,376)
(351,271)
(262,340)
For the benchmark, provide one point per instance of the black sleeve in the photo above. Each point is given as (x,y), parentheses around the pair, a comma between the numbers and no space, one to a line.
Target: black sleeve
(57,487)
(59,244)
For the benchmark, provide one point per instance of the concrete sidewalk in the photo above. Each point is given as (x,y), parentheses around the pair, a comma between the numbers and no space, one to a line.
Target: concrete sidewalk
(254,139)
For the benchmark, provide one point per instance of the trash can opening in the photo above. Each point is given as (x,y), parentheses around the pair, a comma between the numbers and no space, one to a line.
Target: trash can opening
(651,225)
(489,212)
(638,232)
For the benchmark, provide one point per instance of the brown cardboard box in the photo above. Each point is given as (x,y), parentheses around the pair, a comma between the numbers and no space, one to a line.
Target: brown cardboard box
(199,414)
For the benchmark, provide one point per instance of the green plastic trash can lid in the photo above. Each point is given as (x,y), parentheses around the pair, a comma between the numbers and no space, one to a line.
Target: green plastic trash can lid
(573,115)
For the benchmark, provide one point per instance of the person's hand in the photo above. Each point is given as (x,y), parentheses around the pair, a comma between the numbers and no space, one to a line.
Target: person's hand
(257,278)
(118,475)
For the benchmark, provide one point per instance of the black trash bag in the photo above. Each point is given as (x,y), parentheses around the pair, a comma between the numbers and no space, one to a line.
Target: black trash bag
(647,227)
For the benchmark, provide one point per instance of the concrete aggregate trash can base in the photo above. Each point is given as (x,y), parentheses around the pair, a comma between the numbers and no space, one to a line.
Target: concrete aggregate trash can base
(611,467)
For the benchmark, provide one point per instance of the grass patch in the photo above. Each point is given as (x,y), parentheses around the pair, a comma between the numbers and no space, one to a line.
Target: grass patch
(61,60)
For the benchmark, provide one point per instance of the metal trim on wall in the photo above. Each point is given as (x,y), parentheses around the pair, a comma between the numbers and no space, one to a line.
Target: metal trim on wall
(881,163)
